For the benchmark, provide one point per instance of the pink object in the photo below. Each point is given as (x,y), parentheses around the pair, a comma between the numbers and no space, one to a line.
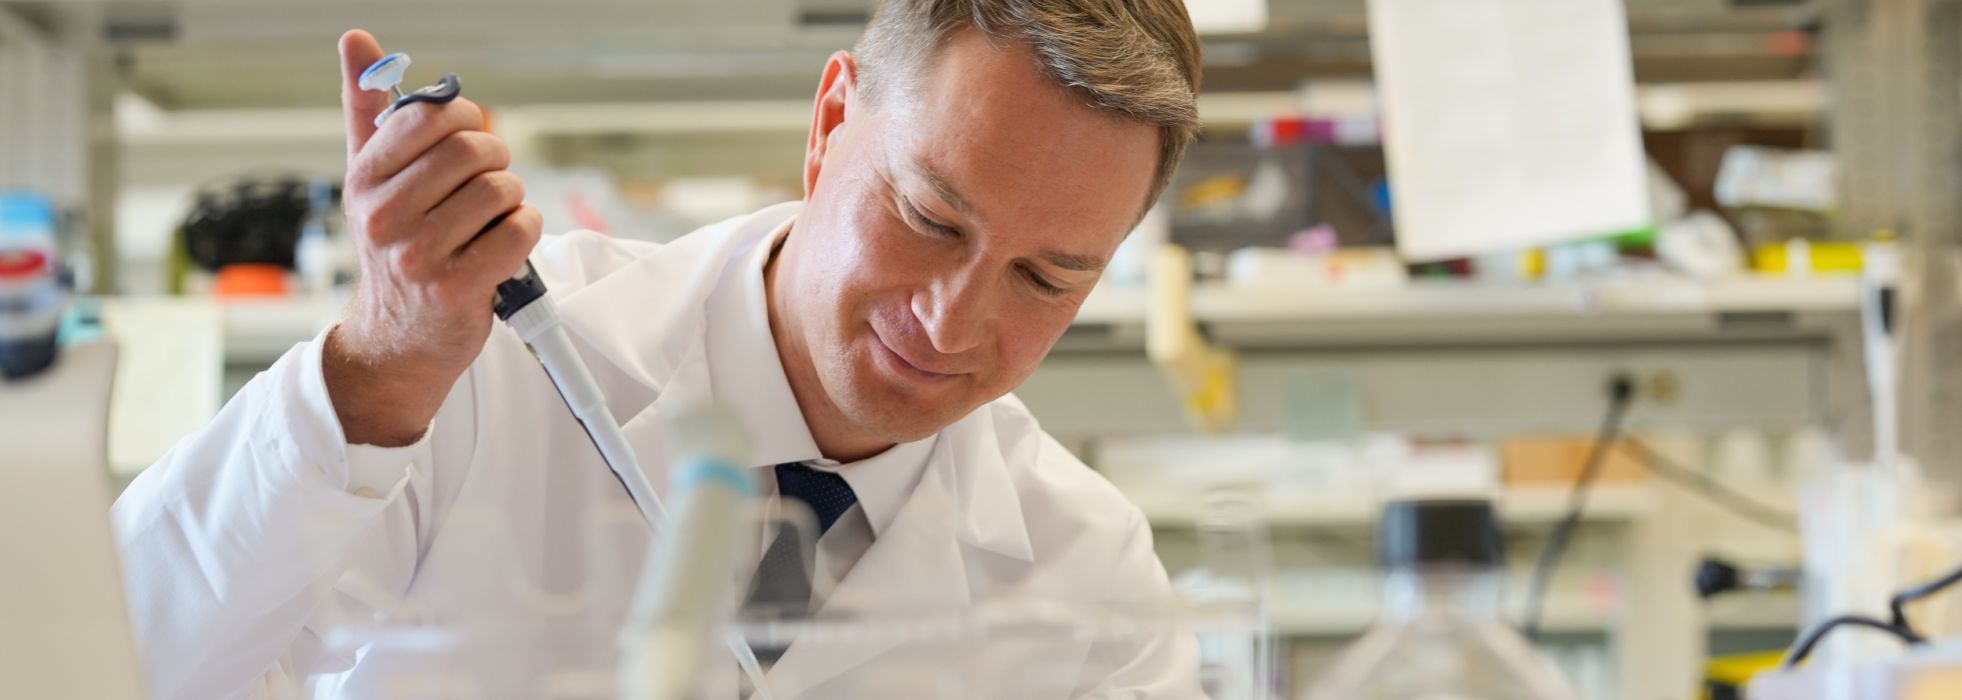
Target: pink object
(1315,240)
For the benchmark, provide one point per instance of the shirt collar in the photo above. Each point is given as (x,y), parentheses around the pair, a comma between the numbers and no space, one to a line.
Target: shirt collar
(885,481)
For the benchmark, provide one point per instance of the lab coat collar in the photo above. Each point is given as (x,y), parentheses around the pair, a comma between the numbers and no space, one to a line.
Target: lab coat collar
(641,327)
(745,371)
(970,454)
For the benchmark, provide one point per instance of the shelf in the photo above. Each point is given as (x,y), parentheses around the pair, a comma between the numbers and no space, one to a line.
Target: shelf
(1631,297)
(259,331)
(1640,309)
(1171,506)
(1656,295)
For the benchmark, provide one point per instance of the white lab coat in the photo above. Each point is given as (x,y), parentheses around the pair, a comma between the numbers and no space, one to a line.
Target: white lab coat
(260,537)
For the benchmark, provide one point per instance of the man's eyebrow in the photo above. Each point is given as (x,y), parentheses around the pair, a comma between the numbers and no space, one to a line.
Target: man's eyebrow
(946,191)
(1073,262)
(942,188)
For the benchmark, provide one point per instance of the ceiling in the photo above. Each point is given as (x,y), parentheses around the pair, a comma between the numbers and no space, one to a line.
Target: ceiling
(197,54)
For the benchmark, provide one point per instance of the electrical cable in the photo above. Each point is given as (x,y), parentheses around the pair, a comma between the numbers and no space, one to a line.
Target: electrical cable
(1897,608)
(1621,392)
(1897,605)
(1709,488)
(1803,648)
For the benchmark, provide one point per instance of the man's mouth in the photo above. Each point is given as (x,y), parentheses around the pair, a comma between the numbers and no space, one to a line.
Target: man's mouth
(899,364)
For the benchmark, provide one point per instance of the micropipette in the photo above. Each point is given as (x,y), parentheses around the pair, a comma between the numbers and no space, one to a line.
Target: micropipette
(521,302)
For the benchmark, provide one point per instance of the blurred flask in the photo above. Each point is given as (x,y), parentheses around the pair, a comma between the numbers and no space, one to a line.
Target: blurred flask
(684,593)
(1236,564)
(1441,634)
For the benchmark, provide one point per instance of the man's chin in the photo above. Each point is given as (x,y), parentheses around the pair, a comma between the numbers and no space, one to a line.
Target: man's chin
(891,416)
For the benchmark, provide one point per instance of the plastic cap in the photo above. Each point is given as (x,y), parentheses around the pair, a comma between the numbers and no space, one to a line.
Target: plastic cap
(1455,531)
(385,73)
(248,280)
(25,213)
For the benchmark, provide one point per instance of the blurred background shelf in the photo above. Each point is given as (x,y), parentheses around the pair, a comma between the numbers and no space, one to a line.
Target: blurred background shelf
(1649,309)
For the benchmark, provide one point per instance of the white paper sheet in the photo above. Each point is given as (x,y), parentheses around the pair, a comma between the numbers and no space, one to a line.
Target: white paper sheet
(1510,123)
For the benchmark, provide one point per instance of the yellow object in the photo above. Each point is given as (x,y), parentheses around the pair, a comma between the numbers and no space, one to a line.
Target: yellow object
(1203,376)
(1825,257)
(1212,190)
(1732,673)
(1533,264)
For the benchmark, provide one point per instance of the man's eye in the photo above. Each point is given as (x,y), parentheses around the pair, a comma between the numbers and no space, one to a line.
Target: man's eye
(930,225)
(1041,283)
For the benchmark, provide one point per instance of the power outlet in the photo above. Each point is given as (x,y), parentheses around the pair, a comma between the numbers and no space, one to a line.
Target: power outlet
(1661,388)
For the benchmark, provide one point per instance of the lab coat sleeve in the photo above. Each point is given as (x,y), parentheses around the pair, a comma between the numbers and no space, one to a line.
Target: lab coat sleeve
(251,537)
(1157,665)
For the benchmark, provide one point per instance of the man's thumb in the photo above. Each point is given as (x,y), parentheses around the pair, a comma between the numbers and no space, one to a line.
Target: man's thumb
(360,107)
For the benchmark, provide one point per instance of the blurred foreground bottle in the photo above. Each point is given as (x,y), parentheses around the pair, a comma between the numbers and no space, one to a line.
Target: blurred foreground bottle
(1441,635)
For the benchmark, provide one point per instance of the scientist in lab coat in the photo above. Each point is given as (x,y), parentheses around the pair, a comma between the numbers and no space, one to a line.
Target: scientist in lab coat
(970,168)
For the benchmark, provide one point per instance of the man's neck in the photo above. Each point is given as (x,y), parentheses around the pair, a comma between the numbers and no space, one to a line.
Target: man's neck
(837,438)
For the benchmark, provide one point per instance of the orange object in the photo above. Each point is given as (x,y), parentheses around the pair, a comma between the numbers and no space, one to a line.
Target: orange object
(246,280)
(1558,460)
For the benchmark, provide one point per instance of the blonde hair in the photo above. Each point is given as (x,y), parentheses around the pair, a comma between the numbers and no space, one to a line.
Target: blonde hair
(1137,58)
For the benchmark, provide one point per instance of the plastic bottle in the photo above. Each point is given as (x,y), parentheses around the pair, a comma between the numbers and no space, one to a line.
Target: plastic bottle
(314,255)
(1441,634)
(31,296)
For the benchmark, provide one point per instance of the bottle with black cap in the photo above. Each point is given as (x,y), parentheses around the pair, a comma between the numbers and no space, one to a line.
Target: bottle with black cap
(1441,634)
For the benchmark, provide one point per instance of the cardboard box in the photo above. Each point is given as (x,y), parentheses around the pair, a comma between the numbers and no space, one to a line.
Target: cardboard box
(1558,460)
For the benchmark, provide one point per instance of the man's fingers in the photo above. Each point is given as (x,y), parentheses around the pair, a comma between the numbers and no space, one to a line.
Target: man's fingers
(360,107)
(410,132)
(497,253)
(473,208)
(435,176)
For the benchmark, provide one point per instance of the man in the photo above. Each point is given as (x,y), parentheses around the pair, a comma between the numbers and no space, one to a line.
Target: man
(970,169)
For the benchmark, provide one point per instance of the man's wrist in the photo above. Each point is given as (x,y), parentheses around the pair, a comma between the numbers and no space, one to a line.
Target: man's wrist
(377,401)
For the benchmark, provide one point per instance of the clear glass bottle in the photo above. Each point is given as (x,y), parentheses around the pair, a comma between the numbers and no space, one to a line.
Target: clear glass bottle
(1441,634)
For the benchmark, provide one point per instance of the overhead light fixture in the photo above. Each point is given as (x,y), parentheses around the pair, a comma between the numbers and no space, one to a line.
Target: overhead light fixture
(1228,16)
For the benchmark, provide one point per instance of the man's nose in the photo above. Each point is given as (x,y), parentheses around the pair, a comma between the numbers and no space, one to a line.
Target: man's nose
(951,310)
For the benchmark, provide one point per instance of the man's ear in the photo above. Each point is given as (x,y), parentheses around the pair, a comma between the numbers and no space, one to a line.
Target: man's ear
(834,97)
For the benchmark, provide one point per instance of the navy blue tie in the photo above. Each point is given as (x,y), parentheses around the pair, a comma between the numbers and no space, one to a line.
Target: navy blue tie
(826,492)
(783,584)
